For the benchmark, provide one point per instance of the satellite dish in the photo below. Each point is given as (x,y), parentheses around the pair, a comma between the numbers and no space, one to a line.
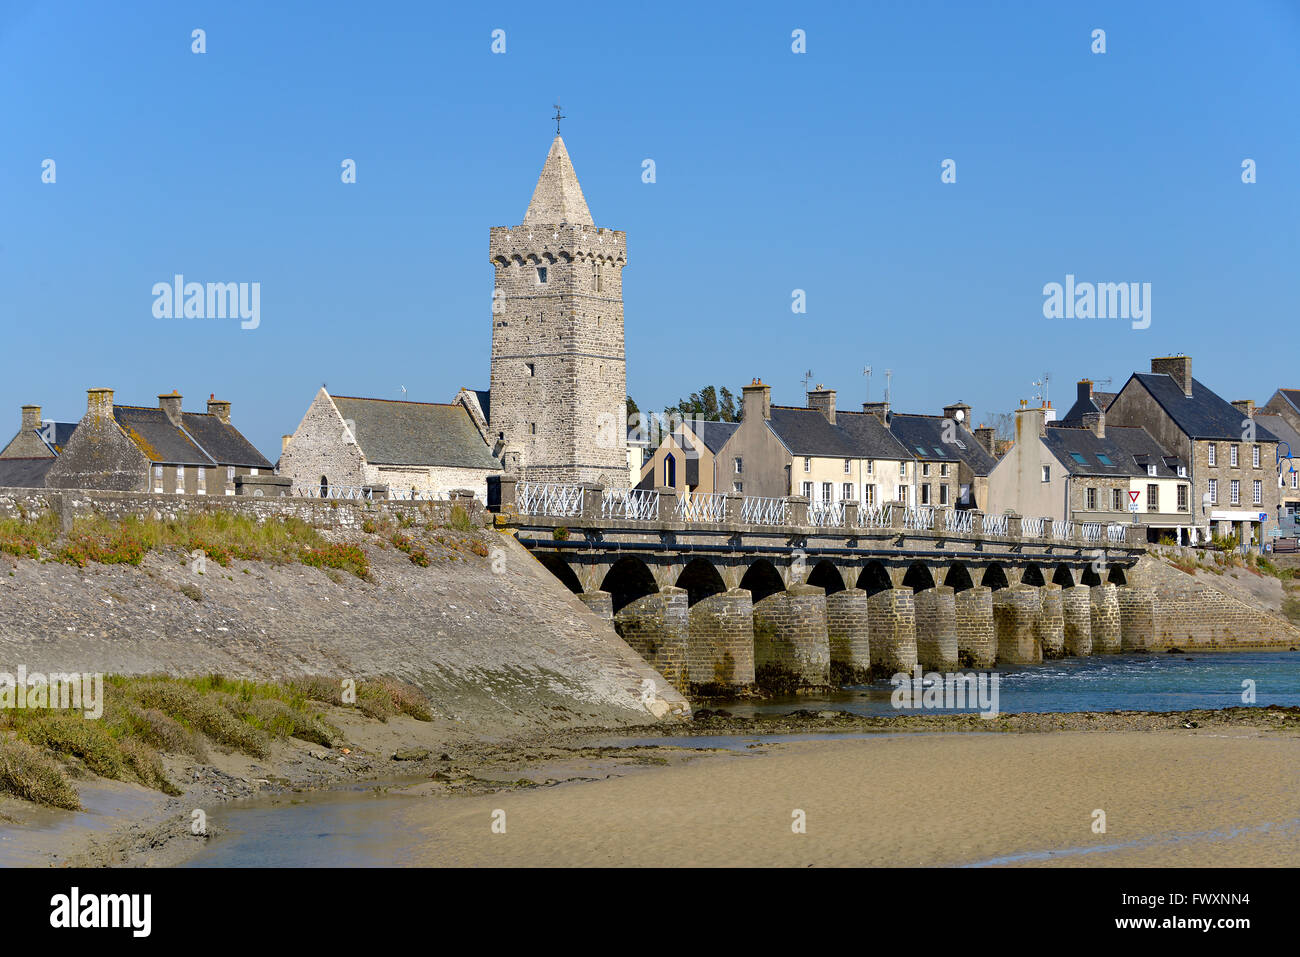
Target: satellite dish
(959,415)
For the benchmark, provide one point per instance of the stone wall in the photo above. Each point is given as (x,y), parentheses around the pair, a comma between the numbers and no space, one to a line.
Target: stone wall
(936,628)
(1138,617)
(976,642)
(657,628)
(721,650)
(1105,619)
(791,649)
(1051,622)
(893,631)
(1076,620)
(1015,619)
(848,630)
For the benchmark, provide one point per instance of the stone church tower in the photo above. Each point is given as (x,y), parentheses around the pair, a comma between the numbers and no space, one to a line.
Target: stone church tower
(557,406)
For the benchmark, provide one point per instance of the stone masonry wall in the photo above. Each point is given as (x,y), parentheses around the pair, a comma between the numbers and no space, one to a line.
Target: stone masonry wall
(848,629)
(893,631)
(657,628)
(1015,618)
(1076,620)
(791,648)
(721,652)
(1051,622)
(936,628)
(976,643)
(1105,620)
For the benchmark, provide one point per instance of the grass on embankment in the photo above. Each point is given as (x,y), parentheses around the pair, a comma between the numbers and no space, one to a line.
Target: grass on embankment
(146,716)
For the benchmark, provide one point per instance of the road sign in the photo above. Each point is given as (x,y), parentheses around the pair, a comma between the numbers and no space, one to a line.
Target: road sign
(1263,516)
(1133,508)
(1133,497)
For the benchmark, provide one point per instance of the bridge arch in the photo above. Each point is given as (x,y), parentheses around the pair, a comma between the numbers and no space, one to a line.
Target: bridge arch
(1117,576)
(918,577)
(1089,576)
(1033,575)
(628,579)
(558,567)
(701,580)
(826,575)
(762,580)
(995,577)
(958,577)
(1062,576)
(874,579)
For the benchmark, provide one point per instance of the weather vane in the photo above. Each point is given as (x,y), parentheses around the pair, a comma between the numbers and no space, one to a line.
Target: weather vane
(558,116)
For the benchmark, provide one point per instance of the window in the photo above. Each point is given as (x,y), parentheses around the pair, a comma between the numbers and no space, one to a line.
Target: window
(807,490)
(846,494)
(532,428)
(230,473)
(541,274)
(846,466)
(1254,456)
(943,470)
(868,495)
(596,276)
(902,470)
(1078,458)
(252,471)
(1153,498)
(738,486)
(740,465)
(925,494)
(532,371)
(902,494)
(1047,473)
(1182,471)
(1182,498)
(180,479)
(1151,469)
(807,465)
(1212,454)
(1232,456)
(925,468)
(1116,500)
(1104,459)
(1294,476)
(943,495)
(1090,499)
(1214,491)
(871,466)
(203,481)
(1235,493)
(157,478)
(828,490)
(1259,492)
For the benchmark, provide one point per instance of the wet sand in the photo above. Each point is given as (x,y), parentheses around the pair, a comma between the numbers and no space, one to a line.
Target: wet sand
(1199,798)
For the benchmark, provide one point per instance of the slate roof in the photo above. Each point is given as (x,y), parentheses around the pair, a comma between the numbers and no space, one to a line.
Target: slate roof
(1203,415)
(484,403)
(222,442)
(1292,396)
(1082,407)
(157,438)
(25,473)
(1127,451)
(62,432)
(870,436)
(925,432)
(714,435)
(806,432)
(1282,429)
(1103,399)
(392,432)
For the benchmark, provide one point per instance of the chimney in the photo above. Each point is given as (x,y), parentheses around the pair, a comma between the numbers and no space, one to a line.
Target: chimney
(99,402)
(756,401)
(1179,367)
(1096,421)
(1031,423)
(823,400)
(987,437)
(1246,407)
(1085,390)
(219,407)
(959,412)
(170,403)
(31,418)
(284,443)
(879,409)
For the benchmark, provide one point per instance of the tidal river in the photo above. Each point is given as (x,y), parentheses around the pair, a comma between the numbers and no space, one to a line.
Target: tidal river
(1172,796)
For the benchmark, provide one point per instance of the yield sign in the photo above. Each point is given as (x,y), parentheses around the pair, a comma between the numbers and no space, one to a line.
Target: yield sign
(1133,497)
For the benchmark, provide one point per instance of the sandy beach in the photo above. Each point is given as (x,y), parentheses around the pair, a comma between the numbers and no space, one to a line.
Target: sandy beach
(1228,797)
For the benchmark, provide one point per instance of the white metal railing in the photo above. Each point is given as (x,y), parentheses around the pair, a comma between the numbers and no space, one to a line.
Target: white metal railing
(756,510)
(1062,528)
(702,507)
(548,498)
(995,525)
(634,503)
(1116,532)
(920,518)
(826,514)
(959,520)
(344,492)
(1090,531)
(875,516)
(412,495)
(1031,528)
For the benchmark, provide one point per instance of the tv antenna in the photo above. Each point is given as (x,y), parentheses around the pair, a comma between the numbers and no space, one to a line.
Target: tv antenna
(866,371)
(889,378)
(403,388)
(807,377)
(1042,385)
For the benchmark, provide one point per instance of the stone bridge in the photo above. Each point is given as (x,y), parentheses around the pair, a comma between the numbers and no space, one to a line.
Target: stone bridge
(724,592)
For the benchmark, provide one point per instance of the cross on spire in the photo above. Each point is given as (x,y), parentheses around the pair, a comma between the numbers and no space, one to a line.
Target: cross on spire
(558,116)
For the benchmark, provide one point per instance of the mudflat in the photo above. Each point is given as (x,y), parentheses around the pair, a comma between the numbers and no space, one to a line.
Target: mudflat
(1227,797)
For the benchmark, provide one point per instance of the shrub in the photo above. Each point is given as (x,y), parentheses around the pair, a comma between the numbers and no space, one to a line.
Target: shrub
(460,520)
(31,774)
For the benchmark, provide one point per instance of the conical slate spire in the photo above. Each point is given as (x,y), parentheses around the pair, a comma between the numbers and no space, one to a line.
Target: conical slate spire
(558,197)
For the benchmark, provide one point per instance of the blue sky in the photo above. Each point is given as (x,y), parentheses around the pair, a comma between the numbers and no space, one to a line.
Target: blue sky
(775,171)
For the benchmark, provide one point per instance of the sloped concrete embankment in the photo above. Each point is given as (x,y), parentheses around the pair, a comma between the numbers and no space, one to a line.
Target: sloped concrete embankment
(498,650)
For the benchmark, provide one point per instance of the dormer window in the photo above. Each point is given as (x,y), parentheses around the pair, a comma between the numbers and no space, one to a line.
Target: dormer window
(1151,470)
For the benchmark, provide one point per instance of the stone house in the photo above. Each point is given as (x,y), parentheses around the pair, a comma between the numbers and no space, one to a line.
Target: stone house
(1230,457)
(165,449)
(952,463)
(425,448)
(1083,470)
(27,458)
(1288,465)
(818,452)
(687,460)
